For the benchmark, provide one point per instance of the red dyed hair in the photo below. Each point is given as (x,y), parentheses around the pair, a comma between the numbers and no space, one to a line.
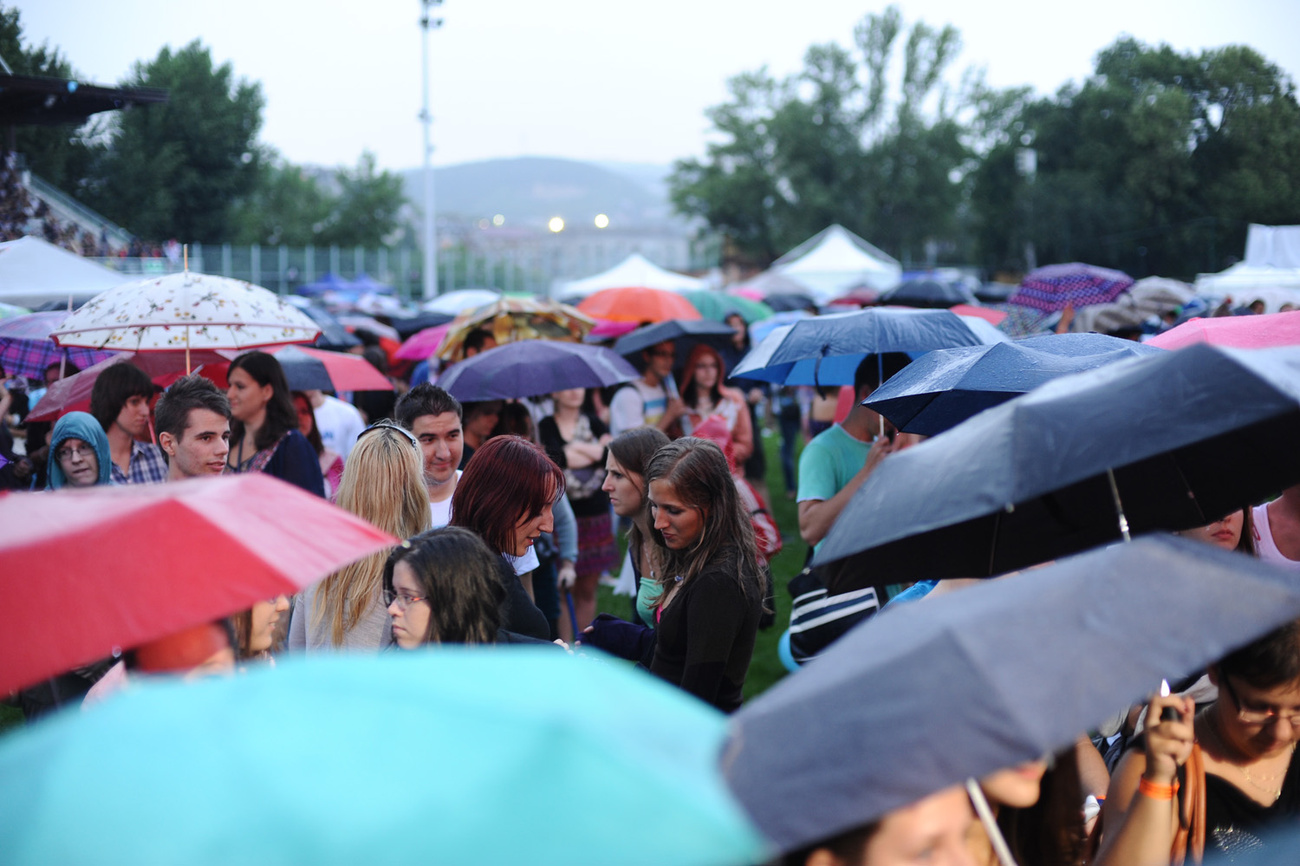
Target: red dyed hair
(688,386)
(508,480)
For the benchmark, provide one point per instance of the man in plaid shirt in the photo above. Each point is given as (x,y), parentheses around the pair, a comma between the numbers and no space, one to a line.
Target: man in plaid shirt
(120,403)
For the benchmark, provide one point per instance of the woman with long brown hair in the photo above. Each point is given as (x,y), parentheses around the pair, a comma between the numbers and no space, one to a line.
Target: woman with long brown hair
(264,433)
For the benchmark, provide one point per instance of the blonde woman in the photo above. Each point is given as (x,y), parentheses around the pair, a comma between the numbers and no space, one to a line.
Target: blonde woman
(383,483)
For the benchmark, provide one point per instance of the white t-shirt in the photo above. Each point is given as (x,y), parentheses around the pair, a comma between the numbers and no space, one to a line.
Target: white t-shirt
(340,424)
(526,563)
(442,510)
(637,405)
(1265,547)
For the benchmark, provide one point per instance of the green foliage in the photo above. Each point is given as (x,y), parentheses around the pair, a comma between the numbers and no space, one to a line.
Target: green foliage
(366,210)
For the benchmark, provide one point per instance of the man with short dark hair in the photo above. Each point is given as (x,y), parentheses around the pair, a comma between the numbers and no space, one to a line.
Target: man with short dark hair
(478,340)
(647,401)
(434,417)
(193,420)
(120,403)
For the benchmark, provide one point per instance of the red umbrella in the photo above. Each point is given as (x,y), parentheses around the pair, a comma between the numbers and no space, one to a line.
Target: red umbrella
(638,305)
(348,372)
(1243,332)
(72,394)
(85,571)
(993,317)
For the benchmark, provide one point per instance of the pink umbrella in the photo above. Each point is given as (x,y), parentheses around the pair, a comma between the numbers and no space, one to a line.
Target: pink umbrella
(421,345)
(746,292)
(1242,332)
(606,328)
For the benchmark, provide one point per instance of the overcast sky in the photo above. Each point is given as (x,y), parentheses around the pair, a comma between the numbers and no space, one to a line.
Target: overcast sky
(585,79)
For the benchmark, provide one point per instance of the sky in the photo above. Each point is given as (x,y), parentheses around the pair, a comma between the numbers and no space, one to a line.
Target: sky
(598,80)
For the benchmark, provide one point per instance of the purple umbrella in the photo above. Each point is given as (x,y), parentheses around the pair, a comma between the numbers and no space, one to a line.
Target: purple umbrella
(528,368)
(1054,287)
(26,348)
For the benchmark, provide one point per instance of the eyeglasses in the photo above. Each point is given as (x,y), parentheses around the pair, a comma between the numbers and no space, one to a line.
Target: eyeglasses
(403,601)
(1258,717)
(67,452)
(387,424)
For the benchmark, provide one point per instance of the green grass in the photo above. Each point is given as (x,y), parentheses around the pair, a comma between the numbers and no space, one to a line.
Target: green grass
(766,668)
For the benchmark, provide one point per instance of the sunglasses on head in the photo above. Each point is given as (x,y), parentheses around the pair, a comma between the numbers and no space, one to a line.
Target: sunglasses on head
(388,424)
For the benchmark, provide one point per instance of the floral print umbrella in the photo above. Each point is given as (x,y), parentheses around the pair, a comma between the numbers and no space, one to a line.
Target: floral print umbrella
(511,319)
(185,311)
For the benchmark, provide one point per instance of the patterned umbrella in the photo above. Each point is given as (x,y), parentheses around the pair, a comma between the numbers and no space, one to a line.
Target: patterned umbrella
(510,319)
(26,348)
(186,311)
(1053,288)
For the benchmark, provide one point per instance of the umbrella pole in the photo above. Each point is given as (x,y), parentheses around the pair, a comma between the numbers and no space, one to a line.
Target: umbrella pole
(990,823)
(1119,506)
(880,380)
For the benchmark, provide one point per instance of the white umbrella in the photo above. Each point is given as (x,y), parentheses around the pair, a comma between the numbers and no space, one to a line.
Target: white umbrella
(456,302)
(185,311)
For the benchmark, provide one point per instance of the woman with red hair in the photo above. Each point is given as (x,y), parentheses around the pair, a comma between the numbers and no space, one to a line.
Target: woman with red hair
(505,496)
(707,399)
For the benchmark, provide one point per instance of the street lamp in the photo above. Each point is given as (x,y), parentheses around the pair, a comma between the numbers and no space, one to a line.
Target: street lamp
(428,23)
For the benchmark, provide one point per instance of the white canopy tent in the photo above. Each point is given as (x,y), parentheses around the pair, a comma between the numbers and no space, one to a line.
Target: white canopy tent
(636,271)
(1270,271)
(834,261)
(33,272)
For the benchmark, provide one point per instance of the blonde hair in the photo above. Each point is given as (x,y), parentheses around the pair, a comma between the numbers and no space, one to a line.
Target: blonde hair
(383,482)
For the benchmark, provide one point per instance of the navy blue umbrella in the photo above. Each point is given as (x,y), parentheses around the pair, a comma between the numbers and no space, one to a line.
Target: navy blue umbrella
(826,350)
(331,282)
(528,368)
(684,333)
(410,326)
(945,387)
(928,293)
(925,695)
(1179,439)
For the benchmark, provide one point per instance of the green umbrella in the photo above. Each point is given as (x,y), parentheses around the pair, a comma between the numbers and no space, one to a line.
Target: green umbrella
(445,755)
(719,305)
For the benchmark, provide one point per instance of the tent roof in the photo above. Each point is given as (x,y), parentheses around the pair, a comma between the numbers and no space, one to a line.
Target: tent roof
(1273,246)
(636,271)
(835,260)
(33,99)
(33,272)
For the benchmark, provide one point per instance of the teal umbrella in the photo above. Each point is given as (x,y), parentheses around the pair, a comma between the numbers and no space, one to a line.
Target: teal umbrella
(718,305)
(501,755)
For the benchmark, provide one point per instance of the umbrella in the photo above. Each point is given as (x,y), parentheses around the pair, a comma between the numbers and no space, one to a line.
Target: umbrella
(863,296)
(331,282)
(26,348)
(309,369)
(638,305)
(186,311)
(365,283)
(1053,288)
(718,305)
(1184,438)
(204,548)
(826,350)
(359,322)
(925,695)
(993,317)
(759,330)
(423,345)
(684,334)
(929,293)
(511,318)
(456,302)
(1146,299)
(528,368)
(8,311)
(784,302)
(1023,321)
(72,393)
(945,387)
(1245,332)
(332,333)
(607,330)
(296,764)
(409,326)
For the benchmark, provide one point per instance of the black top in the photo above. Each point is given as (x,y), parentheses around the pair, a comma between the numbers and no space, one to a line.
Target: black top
(1234,823)
(705,636)
(597,502)
(518,613)
(465,454)
(295,461)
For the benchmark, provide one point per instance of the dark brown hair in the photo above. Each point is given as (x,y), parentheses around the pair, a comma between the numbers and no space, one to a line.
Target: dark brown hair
(281,417)
(462,581)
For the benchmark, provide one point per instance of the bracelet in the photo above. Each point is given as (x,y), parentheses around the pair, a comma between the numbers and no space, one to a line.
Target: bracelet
(1157,792)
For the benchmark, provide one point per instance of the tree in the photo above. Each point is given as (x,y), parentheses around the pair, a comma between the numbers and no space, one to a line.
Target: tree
(177,170)
(366,210)
(287,206)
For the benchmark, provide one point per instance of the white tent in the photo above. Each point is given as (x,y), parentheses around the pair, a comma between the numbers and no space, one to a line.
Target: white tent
(636,271)
(33,272)
(1270,271)
(834,261)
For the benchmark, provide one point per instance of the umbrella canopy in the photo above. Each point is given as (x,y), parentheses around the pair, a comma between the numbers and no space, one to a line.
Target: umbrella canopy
(638,305)
(1145,299)
(924,695)
(945,387)
(331,282)
(826,350)
(636,271)
(759,330)
(296,764)
(365,283)
(718,305)
(308,369)
(360,322)
(1189,436)
(207,547)
(460,300)
(422,346)
(786,302)
(1053,288)
(684,334)
(409,326)
(993,317)
(33,272)
(1245,332)
(186,310)
(332,333)
(26,347)
(528,368)
(72,393)
(511,318)
(928,293)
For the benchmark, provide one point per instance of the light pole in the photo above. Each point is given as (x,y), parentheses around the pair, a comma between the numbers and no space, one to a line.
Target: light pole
(430,230)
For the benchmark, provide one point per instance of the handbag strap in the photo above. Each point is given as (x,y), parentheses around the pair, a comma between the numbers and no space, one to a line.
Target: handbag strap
(1190,835)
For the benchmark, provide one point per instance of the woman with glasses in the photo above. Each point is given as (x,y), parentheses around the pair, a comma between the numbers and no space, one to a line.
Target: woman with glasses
(383,483)
(264,433)
(79,453)
(445,586)
(1238,754)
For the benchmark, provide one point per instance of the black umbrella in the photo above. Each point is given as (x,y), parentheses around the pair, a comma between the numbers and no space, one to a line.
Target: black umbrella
(407,327)
(332,333)
(930,293)
(783,302)
(928,694)
(1185,437)
(685,334)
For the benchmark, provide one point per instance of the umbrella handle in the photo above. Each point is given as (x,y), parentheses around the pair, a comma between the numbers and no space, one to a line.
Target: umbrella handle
(573,616)
(1119,506)
(990,823)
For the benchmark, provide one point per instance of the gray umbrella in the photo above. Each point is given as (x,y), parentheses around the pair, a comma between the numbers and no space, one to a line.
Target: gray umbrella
(928,694)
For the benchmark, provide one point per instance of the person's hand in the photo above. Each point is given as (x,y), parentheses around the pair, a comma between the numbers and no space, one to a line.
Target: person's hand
(577,639)
(675,408)
(565,575)
(904,441)
(1168,743)
(23,469)
(560,643)
(755,395)
(881,447)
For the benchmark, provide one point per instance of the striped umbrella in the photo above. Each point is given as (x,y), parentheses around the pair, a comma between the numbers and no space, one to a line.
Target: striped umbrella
(1053,288)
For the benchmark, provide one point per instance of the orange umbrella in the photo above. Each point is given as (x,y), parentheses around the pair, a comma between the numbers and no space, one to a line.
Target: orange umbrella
(638,305)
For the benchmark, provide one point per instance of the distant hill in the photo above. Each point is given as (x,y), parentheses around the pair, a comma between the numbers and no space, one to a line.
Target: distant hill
(530,190)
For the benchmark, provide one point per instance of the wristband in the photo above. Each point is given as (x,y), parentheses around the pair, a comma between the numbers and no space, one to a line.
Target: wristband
(1157,792)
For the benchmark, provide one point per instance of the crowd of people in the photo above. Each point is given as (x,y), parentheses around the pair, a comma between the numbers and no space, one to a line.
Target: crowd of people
(509,508)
